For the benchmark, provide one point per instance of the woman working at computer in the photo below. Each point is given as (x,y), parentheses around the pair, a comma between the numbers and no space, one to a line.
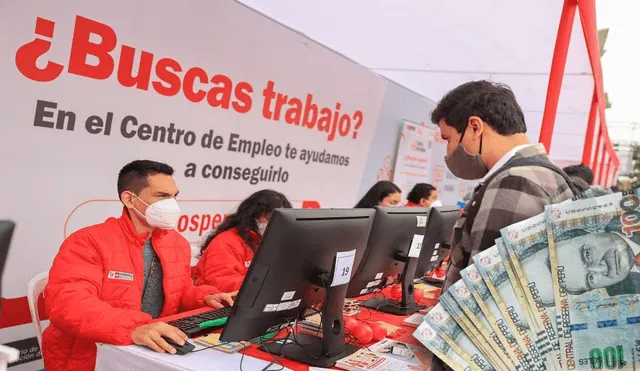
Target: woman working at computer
(383,193)
(228,251)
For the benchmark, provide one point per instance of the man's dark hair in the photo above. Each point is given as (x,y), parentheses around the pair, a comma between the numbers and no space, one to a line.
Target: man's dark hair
(134,176)
(420,191)
(494,103)
(580,171)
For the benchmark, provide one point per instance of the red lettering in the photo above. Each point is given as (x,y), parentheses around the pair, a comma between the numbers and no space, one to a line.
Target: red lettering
(334,125)
(200,223)
(27,55)
(324,123)
(220,94)
(81,47)
(243,94)
(357,118)
(281,100)
(217,219)
(183,223)
(345,125)
(169,84)
(204,224)
(630,219)
(190,77)
(292,115)
(269,94)
(310,113)
(629,203)
(125,68)
(629,230)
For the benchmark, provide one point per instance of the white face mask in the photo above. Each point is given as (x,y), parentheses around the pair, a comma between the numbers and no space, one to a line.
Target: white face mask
(436,203)
(261,227)
(163,214)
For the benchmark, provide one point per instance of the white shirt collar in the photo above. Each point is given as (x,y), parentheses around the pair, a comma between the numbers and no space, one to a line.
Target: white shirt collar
(507,156)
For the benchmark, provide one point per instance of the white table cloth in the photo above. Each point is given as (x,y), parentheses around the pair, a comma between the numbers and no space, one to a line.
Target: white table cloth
(130,358)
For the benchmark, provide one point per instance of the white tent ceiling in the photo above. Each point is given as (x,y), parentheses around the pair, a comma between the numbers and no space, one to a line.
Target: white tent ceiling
(431,46)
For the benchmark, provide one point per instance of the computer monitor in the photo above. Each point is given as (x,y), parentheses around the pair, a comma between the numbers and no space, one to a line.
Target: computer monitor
(437,237)
(6,231)
(387,255)
(294,269)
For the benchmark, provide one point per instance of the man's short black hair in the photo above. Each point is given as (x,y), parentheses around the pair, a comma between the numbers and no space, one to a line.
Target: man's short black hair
(492,102)
(420,191)
(134,176)
(581,171)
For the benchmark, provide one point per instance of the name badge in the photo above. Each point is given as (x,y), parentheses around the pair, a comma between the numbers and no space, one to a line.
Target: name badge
(120,276)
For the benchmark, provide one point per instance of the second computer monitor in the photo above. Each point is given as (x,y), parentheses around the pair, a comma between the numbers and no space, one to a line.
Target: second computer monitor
(387,256)
(437,237)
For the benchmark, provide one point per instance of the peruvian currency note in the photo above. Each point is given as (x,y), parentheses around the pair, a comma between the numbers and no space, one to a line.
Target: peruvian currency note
(441,321)
(527,247)
(449,303)
(430,339)
(508,297)
(517,286)
(491,334)
(479,290)
(594,251)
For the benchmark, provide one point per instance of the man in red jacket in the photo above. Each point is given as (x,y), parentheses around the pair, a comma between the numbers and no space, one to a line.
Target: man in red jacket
(111,280)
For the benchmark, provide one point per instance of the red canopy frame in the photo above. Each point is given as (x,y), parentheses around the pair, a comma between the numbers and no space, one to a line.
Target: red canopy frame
(604,162)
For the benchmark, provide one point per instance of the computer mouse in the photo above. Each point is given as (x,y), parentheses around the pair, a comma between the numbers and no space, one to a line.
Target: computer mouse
(180,349)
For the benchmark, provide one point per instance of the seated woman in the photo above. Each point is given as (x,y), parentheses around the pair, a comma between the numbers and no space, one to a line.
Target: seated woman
(383,193)
(424,195)
(228,251)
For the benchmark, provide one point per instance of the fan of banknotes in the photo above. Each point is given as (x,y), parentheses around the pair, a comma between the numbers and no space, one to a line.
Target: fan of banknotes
(559,291)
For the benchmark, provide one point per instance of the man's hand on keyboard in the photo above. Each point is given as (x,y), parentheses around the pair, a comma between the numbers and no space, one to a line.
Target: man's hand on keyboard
(219,300)
(151,335)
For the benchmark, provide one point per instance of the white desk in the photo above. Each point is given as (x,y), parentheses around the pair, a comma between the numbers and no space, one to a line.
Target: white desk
(129,358)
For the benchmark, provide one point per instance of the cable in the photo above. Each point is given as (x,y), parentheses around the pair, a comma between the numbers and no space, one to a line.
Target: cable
(209,347)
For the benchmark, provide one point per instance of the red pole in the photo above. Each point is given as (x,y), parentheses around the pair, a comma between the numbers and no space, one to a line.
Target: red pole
(587,151)
(556,74)
(596,157)
(590,31)
(604,168)
(612,176)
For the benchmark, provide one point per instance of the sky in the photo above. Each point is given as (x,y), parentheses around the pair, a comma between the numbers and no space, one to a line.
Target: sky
(620,64)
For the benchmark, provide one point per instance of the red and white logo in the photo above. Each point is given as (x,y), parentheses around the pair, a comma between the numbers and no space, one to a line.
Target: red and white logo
(120,276)
(427,333)
(473,276)
(485,260)
(462,291)
(555,214)
(436,317)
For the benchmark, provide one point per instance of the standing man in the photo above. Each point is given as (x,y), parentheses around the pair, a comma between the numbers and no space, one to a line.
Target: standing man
(485,131)
(110,281)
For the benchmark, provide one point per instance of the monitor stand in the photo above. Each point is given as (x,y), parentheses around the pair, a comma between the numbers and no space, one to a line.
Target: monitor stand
(407,305)
(322,351)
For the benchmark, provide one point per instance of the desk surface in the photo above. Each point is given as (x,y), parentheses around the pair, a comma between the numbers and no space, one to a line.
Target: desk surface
(115,358)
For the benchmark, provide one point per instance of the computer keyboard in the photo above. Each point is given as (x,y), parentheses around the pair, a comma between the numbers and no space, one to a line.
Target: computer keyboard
(191,325)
